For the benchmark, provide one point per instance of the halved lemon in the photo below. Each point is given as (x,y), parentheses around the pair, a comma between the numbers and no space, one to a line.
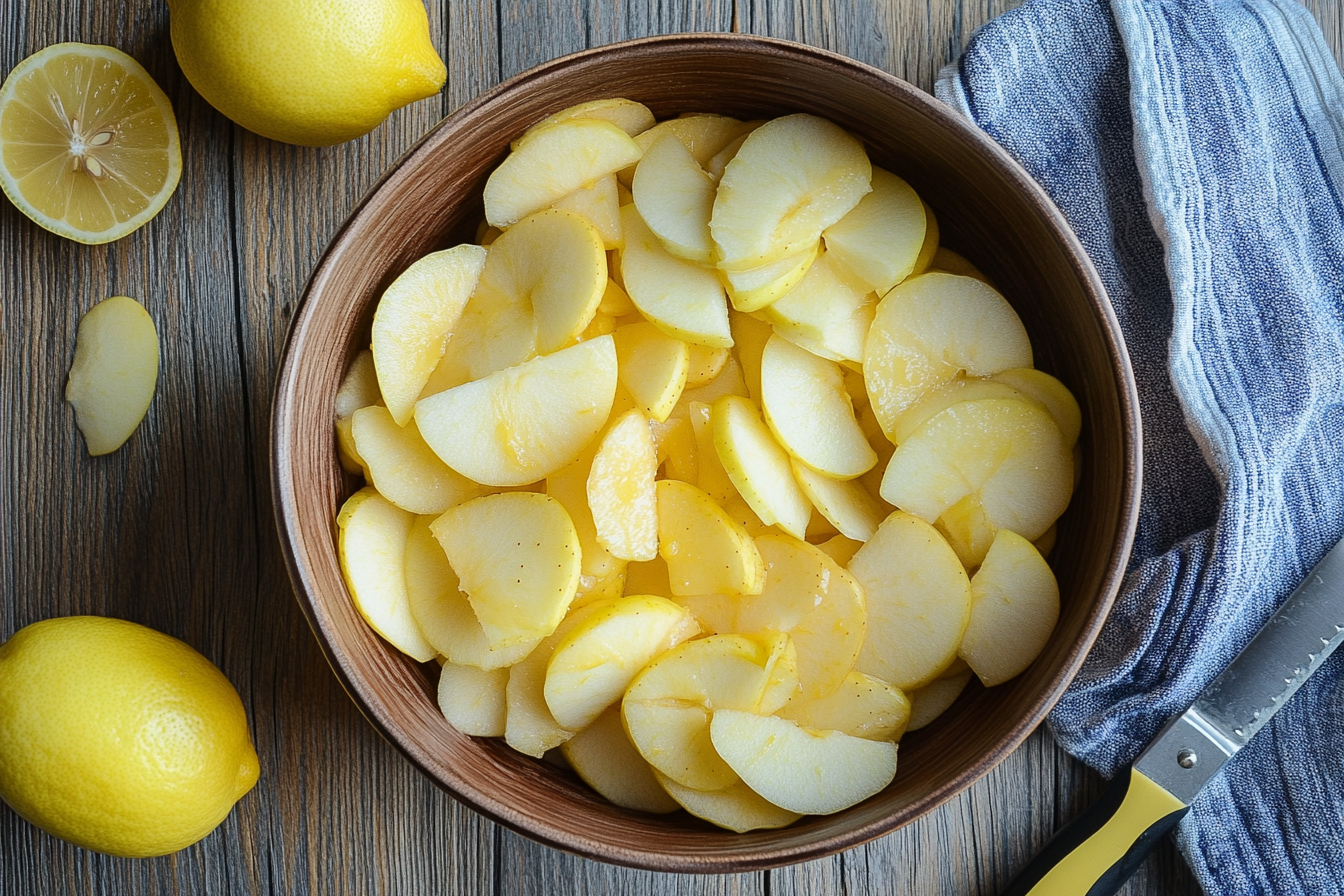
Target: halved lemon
(88,142)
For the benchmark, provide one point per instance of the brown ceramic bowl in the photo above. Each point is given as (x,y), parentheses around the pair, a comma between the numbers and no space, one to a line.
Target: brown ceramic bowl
(989,209)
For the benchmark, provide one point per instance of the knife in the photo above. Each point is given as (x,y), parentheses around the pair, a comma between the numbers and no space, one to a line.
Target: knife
(1097,852)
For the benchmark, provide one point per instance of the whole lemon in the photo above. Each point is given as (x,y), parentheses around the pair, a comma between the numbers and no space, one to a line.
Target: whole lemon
(313,72)
(119,738)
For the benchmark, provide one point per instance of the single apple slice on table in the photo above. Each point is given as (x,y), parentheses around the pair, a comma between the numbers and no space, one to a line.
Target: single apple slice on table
(736,807)
(806,406)
(681,298)
(621,493)
(793,177)
(358,390)
(402,467)
(706,552)
(473,700)
(756,288)
(918,601)
(828,312)
(1014,608)
(529,726)
(516,556)
(881,237)
(861,706)
(758,467)
(523,423)
(675,196)
(632,117)
(604,758)
(553,161)
(599,205)
(414,320)
(931,329)
(845,503)
(801,769)
(652,366)
(113,375)
(372,549)
(593,664)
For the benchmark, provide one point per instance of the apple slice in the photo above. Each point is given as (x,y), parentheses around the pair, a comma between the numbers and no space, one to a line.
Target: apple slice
(801,769)
(793,177)
(1056,397)
(703,135)
(414,319)
(681,298)
(828,313)
(809,411)
(600,571)
(704,364)
(599,205)
(935,401)
(615,301)
(736,807)
(759,287)
(840,549)
(950,262)
(1006,451)
(880,238)
(930,248)
(402,467)
(521,424)
(919,602)
(529,726)
(677,451)
(552,162)
(717,165)
(116,368)
(758,467)
(934,699)
(372,548)
(675,196)
(594,663)
(653,366)
(647,578)
(967,530)
(516,556)
(604,758)
(358,390)
(632,117)
(621,495)
(473,700)
(845,504)
(1046,543)
(710,476)
(706,552)
(931,329)
(861,706)
(1014,608)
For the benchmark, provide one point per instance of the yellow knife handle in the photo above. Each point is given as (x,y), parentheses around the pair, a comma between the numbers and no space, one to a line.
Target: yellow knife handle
(1098,851)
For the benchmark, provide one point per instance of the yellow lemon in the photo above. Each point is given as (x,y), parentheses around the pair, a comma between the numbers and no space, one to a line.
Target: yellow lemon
(88,142)
(313,72)
(119,738)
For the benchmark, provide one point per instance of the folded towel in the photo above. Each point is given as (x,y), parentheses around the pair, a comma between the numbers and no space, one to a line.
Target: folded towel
(1197,149)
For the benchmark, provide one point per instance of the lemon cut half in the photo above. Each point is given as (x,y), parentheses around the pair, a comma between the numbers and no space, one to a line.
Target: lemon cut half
(88,142)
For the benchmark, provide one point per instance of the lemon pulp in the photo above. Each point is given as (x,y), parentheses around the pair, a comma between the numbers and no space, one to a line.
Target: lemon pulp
(88,142)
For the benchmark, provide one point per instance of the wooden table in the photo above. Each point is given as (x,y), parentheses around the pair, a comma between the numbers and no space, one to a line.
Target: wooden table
(175,530)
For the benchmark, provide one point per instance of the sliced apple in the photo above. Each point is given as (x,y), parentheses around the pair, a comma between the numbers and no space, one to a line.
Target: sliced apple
(628,115)
(599,205)
(937,400)
(944,259)
(1007,451)
(717,165)
(594,663)
(759,287)
(529,726)
(680,297)
(521,424)
(402,467)
(677,452)
(621,493)
(737,807)
(414,320)
(703,135)
(828,313)
(1046,543)
(473,700)
(358,390)
(675,196)
(801,769)
(967,530)
(704,364)
(880,238)
(918,599)
(706,552)
(604,758)
(793,177)
(1056,397)
(758,467)
(552,162)
(930,248)
(710,476)
(600,571)
(934,699)
(372,548)
(840,549)
(806,406)
(1014,608)
(648,578)
(931,329)
(845,504)
(861,706)
(614,300)
(750,334)
(728,382)
(653,366)
(516,556)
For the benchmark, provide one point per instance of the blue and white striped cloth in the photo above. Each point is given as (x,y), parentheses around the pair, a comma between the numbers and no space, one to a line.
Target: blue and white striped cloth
(1197,148)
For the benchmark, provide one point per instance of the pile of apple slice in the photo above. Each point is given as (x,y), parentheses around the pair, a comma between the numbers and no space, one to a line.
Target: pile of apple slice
(708,469)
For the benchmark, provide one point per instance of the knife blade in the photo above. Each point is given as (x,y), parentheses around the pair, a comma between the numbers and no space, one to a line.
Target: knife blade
(1097,852)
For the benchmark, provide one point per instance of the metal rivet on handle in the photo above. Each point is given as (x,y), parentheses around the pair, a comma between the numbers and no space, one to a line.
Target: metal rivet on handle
(1186,759)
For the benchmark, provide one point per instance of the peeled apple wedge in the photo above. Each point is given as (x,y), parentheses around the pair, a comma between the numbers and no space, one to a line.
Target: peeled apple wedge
(1056,397)
(604,758)
(736,807)
(704,364)
(1008,452)
(706,551)
(932,235)
(593,664)
(758,466)
(750,334)
(793,177)
(880,238)
(115,370)
(516,556)
(1014,608)
(828,312)
(967,530)
(931,329)
(759,287)
(845,504)
(840,549)
(414,320)
(358,390)
(552,162)
(600,206)
(621,492)
(806,406)
(953,263)
(652,366)
(918,600)
(675,196)
(599,570)
(402,467)
(802,769)
(628,115)
(861,706)
(935,401)
(934,699)
(710,476)
(681,298)
(523,423)
(703,135)
(529,726)
(372,549)
(473,700)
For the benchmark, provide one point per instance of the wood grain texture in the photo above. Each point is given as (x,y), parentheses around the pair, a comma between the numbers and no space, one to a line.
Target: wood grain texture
(175,530)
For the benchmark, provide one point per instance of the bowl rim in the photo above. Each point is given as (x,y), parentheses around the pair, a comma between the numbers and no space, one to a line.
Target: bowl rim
(284,491)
